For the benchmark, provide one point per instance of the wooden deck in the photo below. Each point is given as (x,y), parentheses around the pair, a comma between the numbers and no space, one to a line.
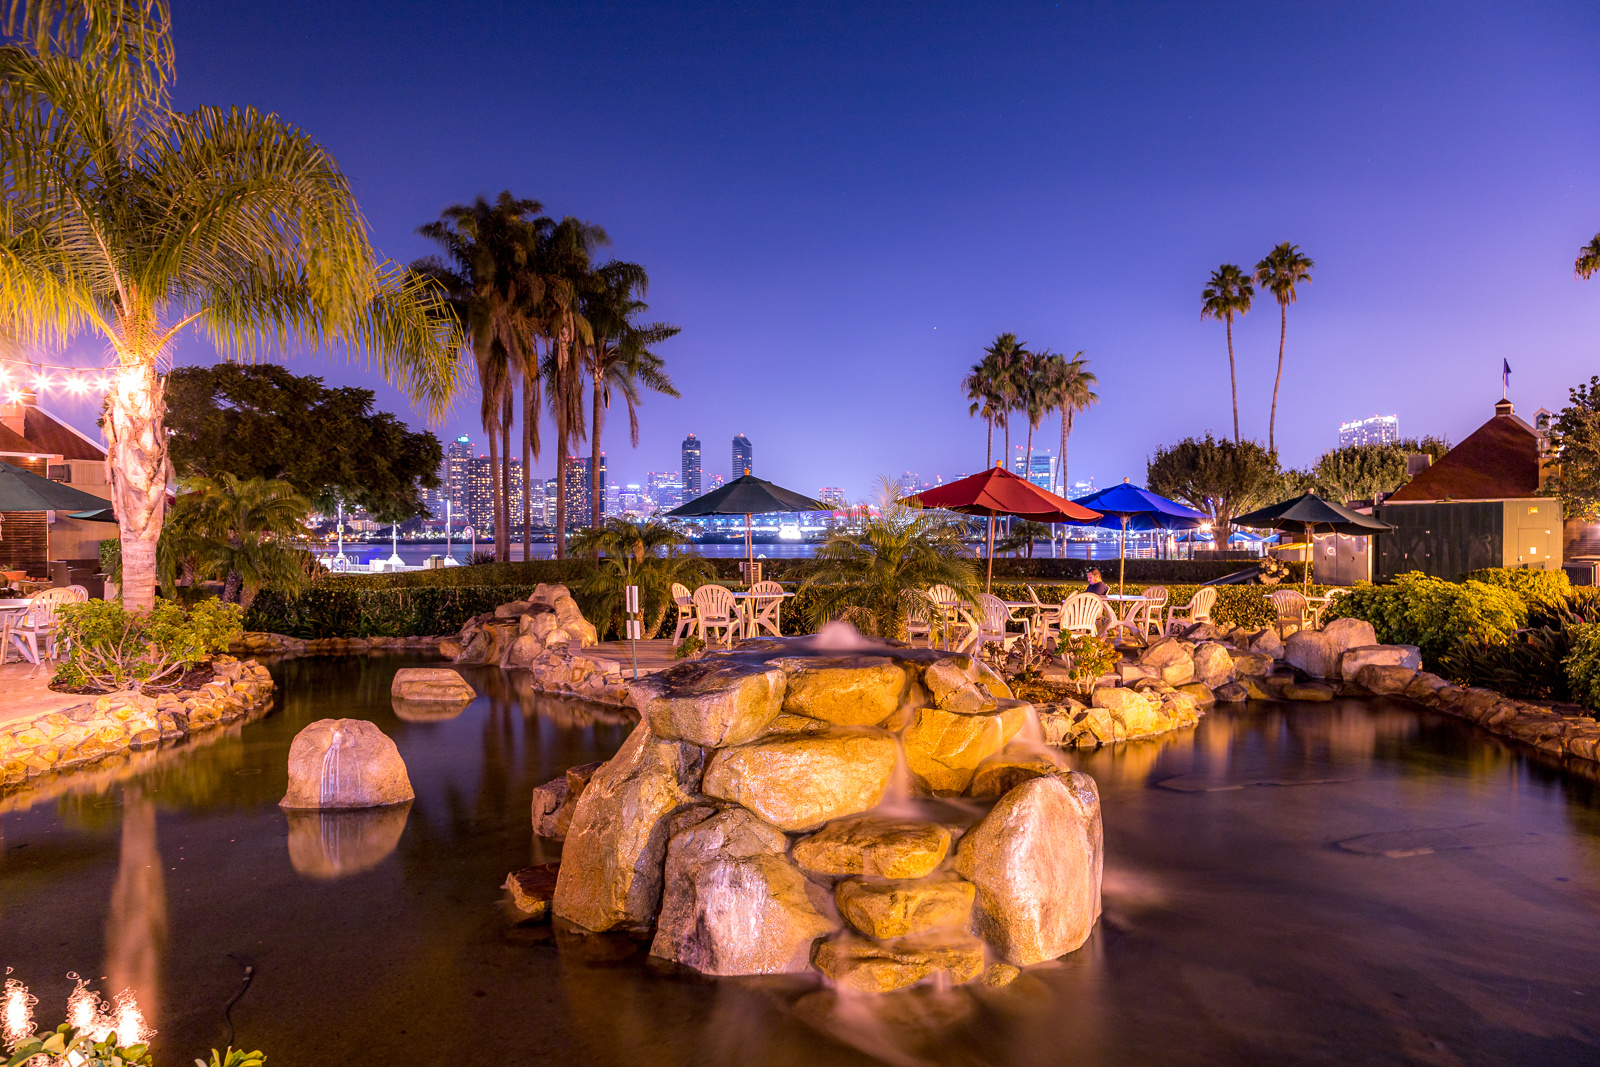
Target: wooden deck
(654,655)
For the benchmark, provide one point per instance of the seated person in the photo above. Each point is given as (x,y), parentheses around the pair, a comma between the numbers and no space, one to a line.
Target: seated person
(1096,586)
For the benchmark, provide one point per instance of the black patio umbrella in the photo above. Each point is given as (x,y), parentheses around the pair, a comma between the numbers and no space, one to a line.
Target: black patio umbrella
(22,490)
(1311,514)
(747,496)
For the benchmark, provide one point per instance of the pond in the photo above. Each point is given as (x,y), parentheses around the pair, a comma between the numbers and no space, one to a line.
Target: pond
(1359,881)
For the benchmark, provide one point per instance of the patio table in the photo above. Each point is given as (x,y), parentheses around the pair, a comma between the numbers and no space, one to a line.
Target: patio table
(743,602)
(1134,602)
(11,611)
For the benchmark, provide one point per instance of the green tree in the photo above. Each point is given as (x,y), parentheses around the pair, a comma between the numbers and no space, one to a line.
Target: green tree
(1433,447)
(1220,478)
(135,222)
(1069,389)
(620,358)
(328,443)
(1021,537)
(872,576)
(648,553)
(1278,273)
(242,531)
(565,263)
(1575,445)
(1588,261)
(1359,472)
(982,388)
(1228,293)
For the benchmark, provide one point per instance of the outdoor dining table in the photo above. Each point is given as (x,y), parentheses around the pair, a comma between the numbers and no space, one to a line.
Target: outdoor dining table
(1126,619)
(11,610)
(747,619)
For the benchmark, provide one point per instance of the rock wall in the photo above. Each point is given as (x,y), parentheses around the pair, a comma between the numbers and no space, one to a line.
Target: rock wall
(258,643)
(114,723)
(774,812)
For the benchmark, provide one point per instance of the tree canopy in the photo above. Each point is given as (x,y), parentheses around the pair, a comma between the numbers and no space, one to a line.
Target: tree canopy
(328,443)
(1220,478)
(1575,440)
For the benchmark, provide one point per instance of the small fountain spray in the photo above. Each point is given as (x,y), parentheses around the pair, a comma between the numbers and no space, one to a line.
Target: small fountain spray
(16,1024)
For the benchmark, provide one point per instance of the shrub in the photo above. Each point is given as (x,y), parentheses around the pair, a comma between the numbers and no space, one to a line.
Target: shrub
(110,648)
(690,645)
(1534,587)
(342,609)
(1434,614)
(1583,665)
(1089,656)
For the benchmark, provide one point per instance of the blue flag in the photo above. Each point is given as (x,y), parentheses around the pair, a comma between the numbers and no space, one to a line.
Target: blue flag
(1505,374)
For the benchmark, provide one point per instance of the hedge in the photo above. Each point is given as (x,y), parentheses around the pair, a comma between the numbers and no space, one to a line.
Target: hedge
(1435,614)
(340,609)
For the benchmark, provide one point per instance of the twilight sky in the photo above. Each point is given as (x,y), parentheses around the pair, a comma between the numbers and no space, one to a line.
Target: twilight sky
(842,204)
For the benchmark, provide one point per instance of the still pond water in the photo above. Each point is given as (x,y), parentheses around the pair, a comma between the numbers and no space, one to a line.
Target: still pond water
(1358,882)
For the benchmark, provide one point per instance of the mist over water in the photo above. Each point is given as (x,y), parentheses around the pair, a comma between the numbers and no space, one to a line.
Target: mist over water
(1355,882)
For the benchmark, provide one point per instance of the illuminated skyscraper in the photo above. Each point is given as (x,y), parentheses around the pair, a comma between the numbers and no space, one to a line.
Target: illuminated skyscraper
(691,467)
(1378,430)
(743,456)
(832,495)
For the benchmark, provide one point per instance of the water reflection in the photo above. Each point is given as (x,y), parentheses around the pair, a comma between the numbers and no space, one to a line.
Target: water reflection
(332,844)
(136,930)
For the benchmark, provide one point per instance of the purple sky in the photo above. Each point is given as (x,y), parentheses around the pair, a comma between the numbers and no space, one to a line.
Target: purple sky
(842,204)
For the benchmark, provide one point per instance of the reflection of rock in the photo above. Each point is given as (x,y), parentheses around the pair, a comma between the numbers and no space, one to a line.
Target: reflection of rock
(345,763)
(428,710)
(430,683)
(611,861)
(800,781)
(732,904)
(1034,859)
(332,844)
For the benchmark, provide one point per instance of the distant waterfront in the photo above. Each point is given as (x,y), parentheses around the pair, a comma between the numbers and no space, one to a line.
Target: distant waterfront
(415,554)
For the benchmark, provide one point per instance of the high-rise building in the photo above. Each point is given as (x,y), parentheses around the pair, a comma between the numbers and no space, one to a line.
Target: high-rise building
(1378,430)
(1042,470)
(664,489)
(631,500)
(717,482)
(832,495)
(743,455)
(456,457)
(908,483)
(477,505)
(691,467)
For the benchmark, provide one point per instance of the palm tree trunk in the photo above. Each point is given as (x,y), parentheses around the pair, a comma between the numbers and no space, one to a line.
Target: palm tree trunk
(493,433)
(1233,381)
(1006,422)
(527,471)
(988,453)
(136,457)
(502,538)
(1283,332)
(596,496)
(1027,462)
(561,481)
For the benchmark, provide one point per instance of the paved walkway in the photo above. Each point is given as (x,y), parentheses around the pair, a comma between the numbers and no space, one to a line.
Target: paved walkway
(654,655)
(25,692)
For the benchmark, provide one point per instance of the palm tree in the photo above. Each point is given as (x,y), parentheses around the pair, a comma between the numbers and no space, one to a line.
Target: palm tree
(648,553)
(1009,356)
(1228,293)
(132,221)
(620,359)
(872,577)
(1279,272)
(1070,390)
(1588,261)
(981,388)
(493,288)
(244,532)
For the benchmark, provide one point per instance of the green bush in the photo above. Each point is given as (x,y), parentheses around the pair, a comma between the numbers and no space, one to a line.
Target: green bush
(1434,614)
(343,609)
(110,648)
(1583,665)
(1236,605)
(1534,587)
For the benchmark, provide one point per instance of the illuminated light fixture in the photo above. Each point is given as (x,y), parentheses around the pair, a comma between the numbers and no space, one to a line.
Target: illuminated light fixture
(16,396)
(103,383)
(41,383)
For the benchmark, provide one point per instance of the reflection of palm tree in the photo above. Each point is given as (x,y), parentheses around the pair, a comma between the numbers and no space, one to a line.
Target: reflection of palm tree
(136,929)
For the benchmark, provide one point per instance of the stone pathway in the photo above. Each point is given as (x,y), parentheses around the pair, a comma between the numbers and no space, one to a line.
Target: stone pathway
(654,656)
(25,692)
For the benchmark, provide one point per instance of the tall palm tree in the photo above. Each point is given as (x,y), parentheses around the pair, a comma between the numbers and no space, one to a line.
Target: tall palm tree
(1279,271)
(982,390)
(132,221)
(1228,293)
(1588,261)
(1009,356)
(493,289)
(619,358)
(1070,389)
(566,253)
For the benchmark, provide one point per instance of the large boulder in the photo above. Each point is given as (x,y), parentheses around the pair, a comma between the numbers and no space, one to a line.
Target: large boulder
(1137,712)
(487,642)
(711,702)
(1164,652)
(345,763)
(1213,665)
(894,909)
(611,861)
(1009,768)
(944,748)
(952,686)
(1314,652)
(1036,861)
(732,903)
(1384,679)
(1353,659)
(1268,643)
(843,690)
(874,845)
(430,684)
(879,967)
(801,781)
(1350,633)
(555,802)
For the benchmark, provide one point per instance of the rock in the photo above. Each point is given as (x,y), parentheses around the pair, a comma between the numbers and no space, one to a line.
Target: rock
(332,844)
(1231,693)
(1008,768)
(1213,665)
(874,845)
(843,690)
(1200,693)
(1425,687)
(1179,673)
(951,687)
(1135,711)
(1268,643)
(1129,673)
(524,650)
(532,889)
(794,724)
(711,702)
(1313,652)
(1164,652)
(999,975)
(1384,679)
(1035,859)
(488,643)
(801,781)
(1316,691)
(611,861)
(548,800)
(345,763)
(1058,727)
(894,909)
(1350,633)
(538,626)
(879,967)
(990,679)
(431,683)
(732,903)
(1353,659)
(514,608)
(1253,664)
(943,748)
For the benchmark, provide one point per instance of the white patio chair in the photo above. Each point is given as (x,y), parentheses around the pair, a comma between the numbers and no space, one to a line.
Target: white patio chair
(1150,614)
(993,615)
(1083,613)
(716,609)
(686,621)
(36,626)
(766,600)
(1288,606)
(919,617)
(1198,609)
(949,615)
(1046,617)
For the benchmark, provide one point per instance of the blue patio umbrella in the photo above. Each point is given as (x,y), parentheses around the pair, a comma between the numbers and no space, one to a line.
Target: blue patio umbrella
(1129,507)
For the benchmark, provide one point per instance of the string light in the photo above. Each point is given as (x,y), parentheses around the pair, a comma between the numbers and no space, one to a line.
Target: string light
(77,381)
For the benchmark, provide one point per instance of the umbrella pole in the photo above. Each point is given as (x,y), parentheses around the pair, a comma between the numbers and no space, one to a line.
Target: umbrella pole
(988,580)
(1307,576)
(749,550)
(1122,557)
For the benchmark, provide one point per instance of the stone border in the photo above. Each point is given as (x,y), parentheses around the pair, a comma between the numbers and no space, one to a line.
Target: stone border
(1544,728)
(257,643)
(116,722)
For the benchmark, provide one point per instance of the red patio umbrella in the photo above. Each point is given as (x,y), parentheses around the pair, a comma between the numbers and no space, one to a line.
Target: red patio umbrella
(999,492)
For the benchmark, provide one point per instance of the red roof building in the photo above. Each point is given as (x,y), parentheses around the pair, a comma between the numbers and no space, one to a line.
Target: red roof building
(1500,460)
(39,442)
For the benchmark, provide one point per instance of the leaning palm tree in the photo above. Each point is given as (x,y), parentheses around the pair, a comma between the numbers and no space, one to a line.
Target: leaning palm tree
(1279,272)
(619,357)
(874,576)
(1228,293)
(1588,261)
(126,219)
